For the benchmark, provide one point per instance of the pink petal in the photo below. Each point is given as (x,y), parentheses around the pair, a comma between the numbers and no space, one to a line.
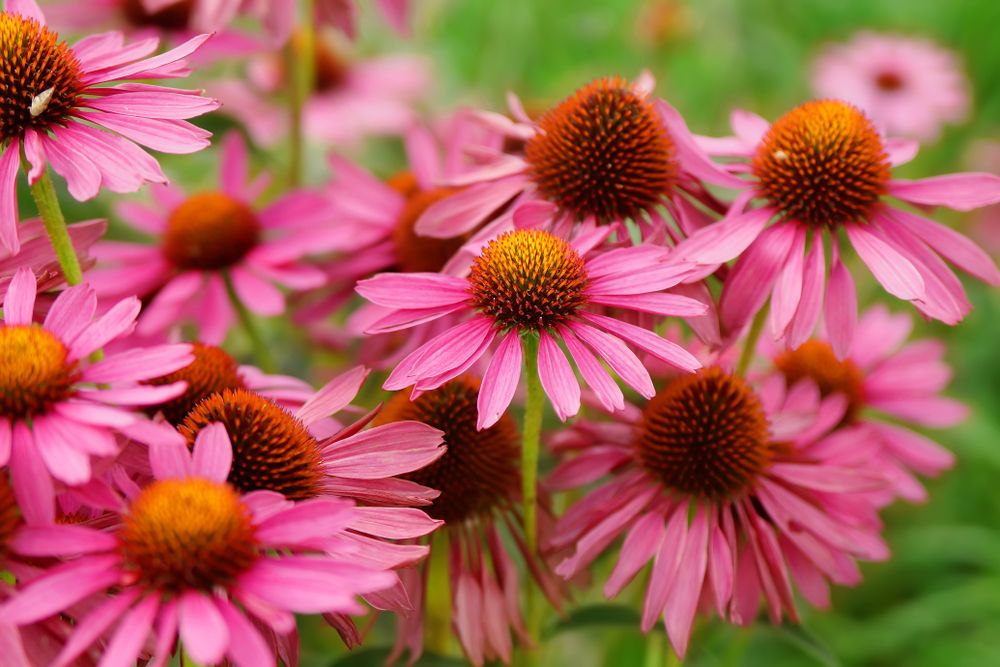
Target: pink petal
(499,381)
(557,377)
(9,163)
(203,631)
(213,453)
(753,275)
(535,214)
(60,588)
(118,321)
(316,518)
(32,482)
(726,239)
(126,644)
(27,8)
(682,602)
(956,248)
(443,353)
(646,340)
(840,312)
(962,192)
(149,64)
(63,540)
(464,210)
(414,290)
(659,303)
(250,649)
(396,523)
(93,625)
(894,271)
(384,451)
(618,356)
(140,364)
(71,312)
(641,543)
(692,158)
(258,295)
(593,372)
(334,396)
(664,571)
(168,136)
(19,303)
(788,287)
(811,302)
(234,165)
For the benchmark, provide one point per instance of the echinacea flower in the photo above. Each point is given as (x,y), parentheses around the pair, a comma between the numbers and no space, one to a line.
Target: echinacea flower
(728,492)
(207,238)
(185,551)
(819,173)
(911,87)
(350,99)
(56,108)
(57,411)
(479,479)
(606,154)
(881,374)
(532,283)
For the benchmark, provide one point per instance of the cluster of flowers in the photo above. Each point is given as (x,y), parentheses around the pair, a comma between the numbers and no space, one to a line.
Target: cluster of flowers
(155,496)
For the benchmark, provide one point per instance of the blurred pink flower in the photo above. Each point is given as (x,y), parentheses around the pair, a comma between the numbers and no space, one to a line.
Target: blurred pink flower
(351,100)
(205,237)
(985,155)
(909,87)
(820,169)
(606,154)
(532,283)
(879,374)
(730,493)
(57,411)
(56,109)
(186,549)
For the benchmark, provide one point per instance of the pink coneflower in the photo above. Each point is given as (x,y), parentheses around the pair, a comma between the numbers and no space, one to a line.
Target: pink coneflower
(479,480)
(879,374)
(606,154)
(727,492)
(186,549)
(351,98)
(819,170)
(36,253)
(208,237)
(910,87)
(56,109)
(57,411)
(532,283)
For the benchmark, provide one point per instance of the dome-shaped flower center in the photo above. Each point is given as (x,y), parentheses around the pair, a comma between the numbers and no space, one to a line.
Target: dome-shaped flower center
(889,81)
(10,516)
(34,372)
(528,279)
(422,253)
(822,163)
(815,360)
(210,231)
(272,450)
(187,533)
(602,152)
(175,16)
(39,77)
(705,435)
(479,469)
(211,372)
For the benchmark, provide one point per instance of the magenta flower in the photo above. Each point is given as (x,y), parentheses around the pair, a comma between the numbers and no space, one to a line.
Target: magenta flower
(820,170)
(56,109)
(730,493)
(878,374)
(205,237)
(57,411)
(479,480)
(910,87)
(186,549)
(530,282)
(606,154)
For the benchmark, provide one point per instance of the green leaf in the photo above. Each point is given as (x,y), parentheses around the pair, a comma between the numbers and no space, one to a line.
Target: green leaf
(807,642)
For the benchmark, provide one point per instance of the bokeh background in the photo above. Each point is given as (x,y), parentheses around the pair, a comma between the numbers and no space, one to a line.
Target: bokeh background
(937,601)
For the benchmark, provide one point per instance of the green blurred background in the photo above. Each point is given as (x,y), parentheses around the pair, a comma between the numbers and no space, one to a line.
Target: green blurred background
(937,601)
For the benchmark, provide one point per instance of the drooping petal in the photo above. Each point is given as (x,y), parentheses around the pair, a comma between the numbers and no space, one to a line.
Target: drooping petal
(962,192)
(557,377)
(499,381)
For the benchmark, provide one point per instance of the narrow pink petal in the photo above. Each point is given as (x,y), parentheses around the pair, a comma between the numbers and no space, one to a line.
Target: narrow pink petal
(93,625)
(318,517)
(384,451)
(956,248)
(726,239)
(894,271)
(646,340)
(19,302)
(170,460)
(166,633)
(258,295)
(61,587)
(33,488)
(811,302)
(168,136)
(422,154)
(140,364)
(414,290)
(753,275)
(6,436)
(840,313)
(204,633)
(499,381)
(935,412)
(135,395)
(557,377)
(682,604)
(618,356)
(590,465)
(249,649)
(788,287)
(118,321)
(593,372)
(63,459)
(659,303)
(132,70)
(664,572)
(9,163)
(901,150)
(27,8)
(71,312)
(720,568)
(962,192)
(334,396)
(395,523)
(748,126)
(828,478)
(535,214)
(692,158)
(213,453)
(463,211)
(62,540)
(443,354)
(468,607)
(234,166)
(126,644)
(641,543)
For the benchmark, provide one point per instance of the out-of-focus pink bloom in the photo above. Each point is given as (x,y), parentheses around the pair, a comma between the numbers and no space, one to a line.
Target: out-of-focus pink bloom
(37,254)
(822,172)
(187,548)
(986,221)
(532,283)
(879,374)
(58,111)
(729,492)
(606,154)
(479,480)
(57,411)
(279,17)
(351,100)
(205,237)
(910,87)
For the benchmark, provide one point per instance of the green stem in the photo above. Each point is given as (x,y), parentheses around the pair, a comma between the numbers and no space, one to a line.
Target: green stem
(654,649)
(261,352)
(534,403)
(44,193)
(300,65)
(750,346)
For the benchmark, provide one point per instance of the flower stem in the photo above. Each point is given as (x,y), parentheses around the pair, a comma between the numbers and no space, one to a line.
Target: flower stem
(261,352)
(44,194)
(300,63)
(534,403)
(654,649)
(750,346)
